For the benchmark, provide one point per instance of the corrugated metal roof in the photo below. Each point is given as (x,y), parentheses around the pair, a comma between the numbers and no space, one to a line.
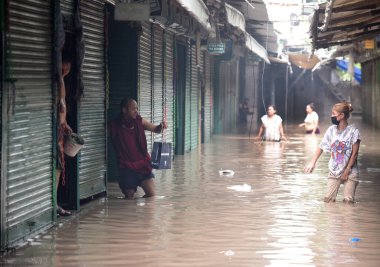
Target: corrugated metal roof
(345,21)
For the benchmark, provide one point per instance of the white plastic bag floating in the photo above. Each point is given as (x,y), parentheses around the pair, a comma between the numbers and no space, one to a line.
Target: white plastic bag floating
(241,188)
(226,172)
(227,253)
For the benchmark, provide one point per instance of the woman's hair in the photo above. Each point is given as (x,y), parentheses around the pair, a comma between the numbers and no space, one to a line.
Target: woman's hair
(344,107)
(273,106)
(312,106)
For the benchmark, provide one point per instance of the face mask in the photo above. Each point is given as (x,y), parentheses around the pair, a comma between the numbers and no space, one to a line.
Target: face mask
(334,120)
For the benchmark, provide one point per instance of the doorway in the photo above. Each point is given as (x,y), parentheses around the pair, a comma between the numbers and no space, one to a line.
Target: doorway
(68,182)
(180,99)
(122,69)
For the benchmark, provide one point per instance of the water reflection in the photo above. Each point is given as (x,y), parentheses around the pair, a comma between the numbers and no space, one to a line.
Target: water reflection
(267,214)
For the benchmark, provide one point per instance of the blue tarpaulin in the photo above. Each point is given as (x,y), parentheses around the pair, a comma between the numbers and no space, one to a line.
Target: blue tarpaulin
(343,65)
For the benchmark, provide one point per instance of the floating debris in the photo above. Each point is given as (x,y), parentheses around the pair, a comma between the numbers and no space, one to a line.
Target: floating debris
(227,253)
(241,188)
(226,172)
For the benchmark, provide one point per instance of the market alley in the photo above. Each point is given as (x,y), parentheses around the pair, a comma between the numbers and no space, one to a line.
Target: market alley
(268,213)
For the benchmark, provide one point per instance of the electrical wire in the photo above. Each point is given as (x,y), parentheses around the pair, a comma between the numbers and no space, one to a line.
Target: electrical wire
(263,71)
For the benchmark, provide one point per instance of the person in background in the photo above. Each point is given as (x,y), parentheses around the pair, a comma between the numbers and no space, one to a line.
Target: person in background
(244,111)
(127,132)
(342,141)
(271,128)
(311,122)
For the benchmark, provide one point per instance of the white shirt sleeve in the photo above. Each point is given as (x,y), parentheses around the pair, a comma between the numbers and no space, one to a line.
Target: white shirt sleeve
(325,144)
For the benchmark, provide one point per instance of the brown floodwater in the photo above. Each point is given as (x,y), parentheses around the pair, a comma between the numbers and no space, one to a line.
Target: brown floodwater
(269,213)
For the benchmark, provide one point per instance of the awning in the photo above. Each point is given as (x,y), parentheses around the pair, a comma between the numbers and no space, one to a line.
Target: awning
(257,22)
(235,17)
(304,61)
(255,47)
(277,60)
(341,22)
(198,10)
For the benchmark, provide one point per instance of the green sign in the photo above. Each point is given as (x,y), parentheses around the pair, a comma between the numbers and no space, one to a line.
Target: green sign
(216,48)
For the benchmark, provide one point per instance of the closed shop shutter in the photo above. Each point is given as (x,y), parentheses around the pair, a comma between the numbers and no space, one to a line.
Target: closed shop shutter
(194,100)
(208,97)
(187,99)
(158,38)
(145,76)
(92,160)
(201,71)
(169,88)
(27,155)
(213,85)
(67,7)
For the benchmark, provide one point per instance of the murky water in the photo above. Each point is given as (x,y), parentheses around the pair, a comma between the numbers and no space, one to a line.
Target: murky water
(267,214)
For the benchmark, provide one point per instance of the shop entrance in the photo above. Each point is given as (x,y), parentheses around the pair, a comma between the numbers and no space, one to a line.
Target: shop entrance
(68,181)
(122,56)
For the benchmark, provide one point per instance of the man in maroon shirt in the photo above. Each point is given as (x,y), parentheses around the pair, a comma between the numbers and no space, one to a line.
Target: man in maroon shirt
(127,133)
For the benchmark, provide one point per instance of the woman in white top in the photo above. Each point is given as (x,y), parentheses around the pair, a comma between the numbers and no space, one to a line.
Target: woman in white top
(311,120)
(271,128)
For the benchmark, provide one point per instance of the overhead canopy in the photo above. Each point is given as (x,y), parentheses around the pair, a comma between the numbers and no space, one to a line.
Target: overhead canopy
(235,17)
(255,47)
(277,60)
(257,22)
(303,60)
(198,10)
(345,21)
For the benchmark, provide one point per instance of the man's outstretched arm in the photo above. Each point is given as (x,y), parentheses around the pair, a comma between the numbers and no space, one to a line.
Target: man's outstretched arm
(154,128)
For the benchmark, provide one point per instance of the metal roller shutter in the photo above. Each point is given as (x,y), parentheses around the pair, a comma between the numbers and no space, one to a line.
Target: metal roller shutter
(158,38)
(92,160)
(27,201)
(213,85)
(169,88)
(145,76)
(67,7)
(194,100)
(187,99)
(208,98)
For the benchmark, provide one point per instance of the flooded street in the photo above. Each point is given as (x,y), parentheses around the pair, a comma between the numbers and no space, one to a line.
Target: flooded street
(269,213)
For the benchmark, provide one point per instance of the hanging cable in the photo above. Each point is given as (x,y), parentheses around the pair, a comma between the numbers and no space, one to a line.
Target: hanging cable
(263,71)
